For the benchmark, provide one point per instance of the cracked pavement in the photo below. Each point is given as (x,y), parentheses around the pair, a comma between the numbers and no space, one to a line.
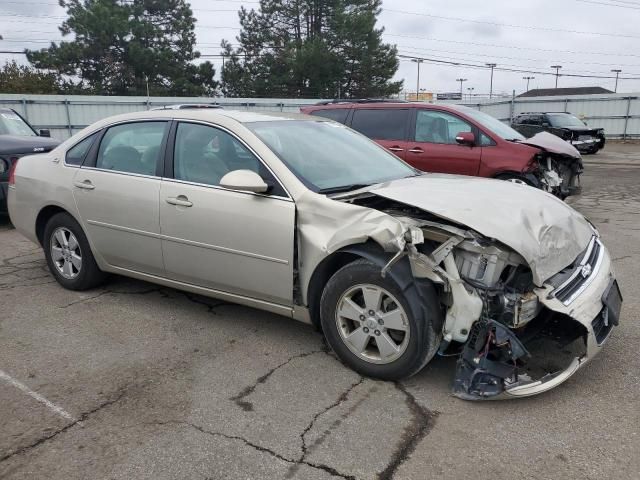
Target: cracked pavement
(162,384)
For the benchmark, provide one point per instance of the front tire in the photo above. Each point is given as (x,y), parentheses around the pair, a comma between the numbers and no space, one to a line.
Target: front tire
(69,255)
(373,327)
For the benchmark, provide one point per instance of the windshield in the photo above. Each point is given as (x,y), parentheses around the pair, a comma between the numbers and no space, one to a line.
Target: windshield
(12,124)
(491,123)
(564,120)
(328,157)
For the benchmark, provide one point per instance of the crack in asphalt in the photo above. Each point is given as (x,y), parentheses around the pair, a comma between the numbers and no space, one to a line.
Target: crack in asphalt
(414,432)
(83,417)
(211,308)
(116,292)
(308,449)
(248,406)
(260,448)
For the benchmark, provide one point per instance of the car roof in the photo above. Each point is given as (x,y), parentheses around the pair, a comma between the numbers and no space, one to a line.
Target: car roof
(386,105)
(206,115)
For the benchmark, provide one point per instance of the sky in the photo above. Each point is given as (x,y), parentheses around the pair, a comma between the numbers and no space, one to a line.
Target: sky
(586,37)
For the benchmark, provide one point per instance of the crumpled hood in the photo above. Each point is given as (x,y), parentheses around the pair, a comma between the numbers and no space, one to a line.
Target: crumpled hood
(545,231)
(552,144)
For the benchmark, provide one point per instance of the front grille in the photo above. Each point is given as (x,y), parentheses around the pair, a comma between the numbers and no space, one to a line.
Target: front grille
(583,273)
(602,325)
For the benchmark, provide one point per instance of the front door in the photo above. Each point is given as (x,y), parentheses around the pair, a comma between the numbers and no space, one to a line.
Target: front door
(235,242)
(117,190)
(434,147)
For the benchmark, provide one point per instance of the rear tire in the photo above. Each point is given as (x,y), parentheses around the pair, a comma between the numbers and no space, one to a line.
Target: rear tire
(373,327)
(69,255)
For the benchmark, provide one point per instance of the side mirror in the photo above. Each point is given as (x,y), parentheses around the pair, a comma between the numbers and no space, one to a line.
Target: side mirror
(466,138)
(44,132)
(244,180)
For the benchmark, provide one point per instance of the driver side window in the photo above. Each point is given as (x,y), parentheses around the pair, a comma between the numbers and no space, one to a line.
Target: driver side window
(439,127)
(204,154)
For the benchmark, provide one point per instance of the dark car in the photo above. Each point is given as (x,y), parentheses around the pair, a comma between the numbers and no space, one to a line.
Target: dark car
(17,138)
(461,140)
(564,125)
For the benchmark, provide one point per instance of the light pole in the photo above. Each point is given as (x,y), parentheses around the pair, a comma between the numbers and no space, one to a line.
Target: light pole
(617,72)
(461,80)
(418,61)
(528,79)
(557,67)
(491,66)
(470,90)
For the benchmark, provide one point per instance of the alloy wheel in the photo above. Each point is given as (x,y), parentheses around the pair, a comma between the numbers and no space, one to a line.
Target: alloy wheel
(66,253)
(373,324)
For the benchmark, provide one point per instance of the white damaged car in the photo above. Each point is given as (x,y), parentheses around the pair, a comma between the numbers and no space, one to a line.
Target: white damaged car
(306,218)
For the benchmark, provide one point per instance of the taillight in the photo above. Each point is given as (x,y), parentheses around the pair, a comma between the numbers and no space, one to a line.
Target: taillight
(13,163)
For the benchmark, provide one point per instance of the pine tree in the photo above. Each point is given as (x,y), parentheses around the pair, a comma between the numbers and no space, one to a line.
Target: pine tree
(311,48)
(121,45)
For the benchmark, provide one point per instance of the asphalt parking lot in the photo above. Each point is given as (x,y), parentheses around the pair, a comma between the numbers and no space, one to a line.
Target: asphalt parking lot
(136,381)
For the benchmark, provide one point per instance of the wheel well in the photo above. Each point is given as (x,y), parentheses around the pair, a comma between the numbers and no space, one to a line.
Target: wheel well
(43,217)
(323,272)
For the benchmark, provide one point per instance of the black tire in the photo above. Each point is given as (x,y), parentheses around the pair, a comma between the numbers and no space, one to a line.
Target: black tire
(89,275)
(423,339)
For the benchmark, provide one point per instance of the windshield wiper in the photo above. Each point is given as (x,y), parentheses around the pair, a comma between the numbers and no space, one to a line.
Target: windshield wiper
(344,188)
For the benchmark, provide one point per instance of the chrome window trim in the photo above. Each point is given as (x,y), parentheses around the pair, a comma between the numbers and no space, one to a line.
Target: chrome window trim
(248,147)
(131,174)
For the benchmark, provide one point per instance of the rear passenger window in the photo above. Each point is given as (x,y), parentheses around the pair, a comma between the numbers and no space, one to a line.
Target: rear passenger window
(75,155)
(337,114)
(132,147)
(381,124)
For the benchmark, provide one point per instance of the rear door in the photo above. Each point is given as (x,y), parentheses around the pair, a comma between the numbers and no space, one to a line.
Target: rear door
(433,147)
(387,126)
(117,192)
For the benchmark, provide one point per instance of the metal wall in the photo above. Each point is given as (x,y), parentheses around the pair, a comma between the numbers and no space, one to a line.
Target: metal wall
(618,114)
(66,115)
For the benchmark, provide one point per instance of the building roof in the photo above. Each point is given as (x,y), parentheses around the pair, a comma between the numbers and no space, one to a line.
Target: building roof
(554,92)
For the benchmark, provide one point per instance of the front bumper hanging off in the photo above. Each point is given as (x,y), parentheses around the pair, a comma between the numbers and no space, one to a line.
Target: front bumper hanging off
(499,363)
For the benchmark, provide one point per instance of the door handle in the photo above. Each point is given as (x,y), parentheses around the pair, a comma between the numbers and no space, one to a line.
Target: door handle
(180,200)
(85,184)
(416,150)
(396,149)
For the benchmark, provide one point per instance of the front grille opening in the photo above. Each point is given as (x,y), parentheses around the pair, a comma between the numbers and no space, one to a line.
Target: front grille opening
(582,273)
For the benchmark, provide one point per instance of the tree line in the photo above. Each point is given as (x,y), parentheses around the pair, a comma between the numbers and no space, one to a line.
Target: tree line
(285,48)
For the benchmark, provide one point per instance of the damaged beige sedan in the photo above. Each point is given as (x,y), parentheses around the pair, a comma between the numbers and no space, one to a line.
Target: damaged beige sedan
(306,218)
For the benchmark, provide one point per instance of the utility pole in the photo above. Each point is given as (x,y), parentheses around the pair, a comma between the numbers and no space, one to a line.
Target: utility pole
(617,72)
(528,79)
(491,66)
(461,80)
(418,61)
(557,67)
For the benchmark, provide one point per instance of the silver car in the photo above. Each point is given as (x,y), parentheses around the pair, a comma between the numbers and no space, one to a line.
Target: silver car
(306,218)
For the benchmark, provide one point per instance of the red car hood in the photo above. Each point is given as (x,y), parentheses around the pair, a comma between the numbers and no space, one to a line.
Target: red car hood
(552,144)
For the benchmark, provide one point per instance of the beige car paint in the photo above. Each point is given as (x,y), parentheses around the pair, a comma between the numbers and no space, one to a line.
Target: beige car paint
(239,247)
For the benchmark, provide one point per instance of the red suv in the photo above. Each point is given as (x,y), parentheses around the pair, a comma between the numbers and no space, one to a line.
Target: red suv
(461,140)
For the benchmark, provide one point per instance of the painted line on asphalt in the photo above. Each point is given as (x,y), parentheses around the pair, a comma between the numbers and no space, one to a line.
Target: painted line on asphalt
(36,396)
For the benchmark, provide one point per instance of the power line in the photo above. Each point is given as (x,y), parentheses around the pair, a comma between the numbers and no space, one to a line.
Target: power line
(610,4)
(509,25)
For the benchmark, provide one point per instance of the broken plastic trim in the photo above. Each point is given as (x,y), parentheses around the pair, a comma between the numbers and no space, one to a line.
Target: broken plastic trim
(489,356)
